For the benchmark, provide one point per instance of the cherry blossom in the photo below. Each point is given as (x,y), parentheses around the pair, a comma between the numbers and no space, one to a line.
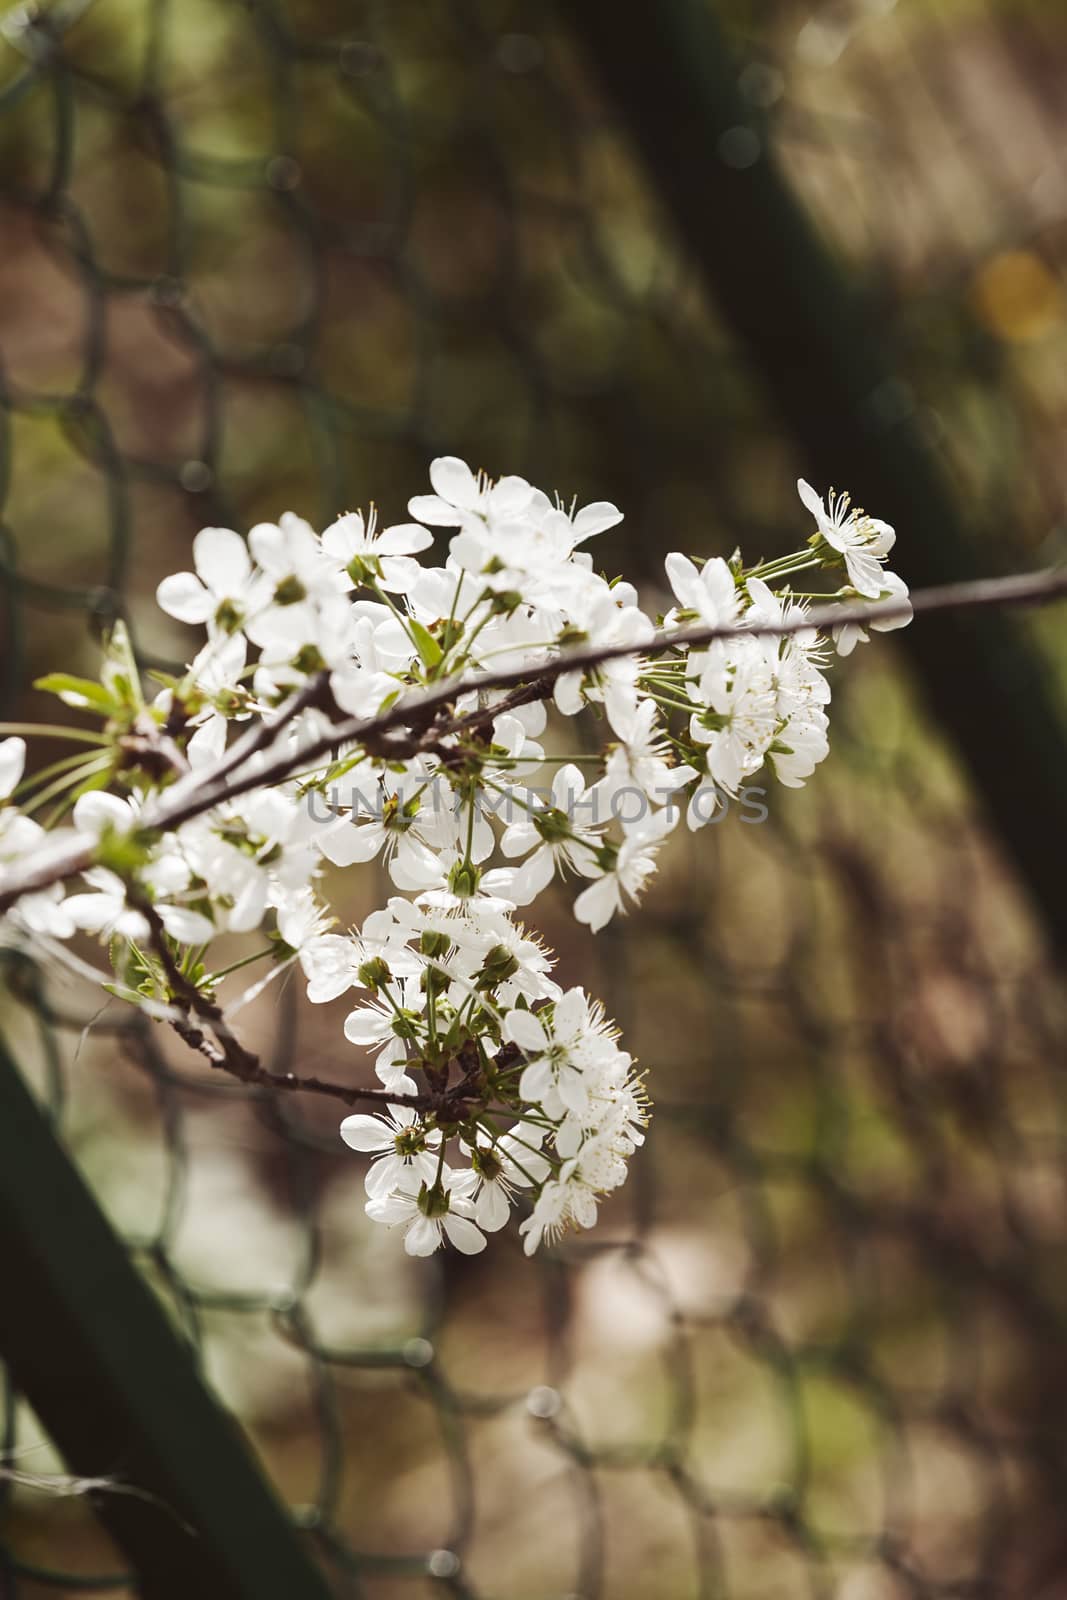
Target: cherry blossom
(384,700)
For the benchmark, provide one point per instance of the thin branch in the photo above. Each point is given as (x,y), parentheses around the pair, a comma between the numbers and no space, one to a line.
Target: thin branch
(1027,589)
(262,733)
(420,713)
(224,1051)
(152,747)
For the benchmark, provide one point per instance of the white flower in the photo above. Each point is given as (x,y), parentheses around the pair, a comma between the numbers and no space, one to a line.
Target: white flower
(332,962)
(799,746)
(375,1025)
(796,658)
(166,874)
(554,835)
(570,1198)
(448,882)
(638,767)
(366,555)
(301,581)
(222,591)
(742,714)
(97,813)
(399,811)
(862,540)
(364,677)
(217,672)
(711,593)
(329,966)
(459,495)
(298,640)
(627,873)
(44,912)
(566,1201)
(304,924)
(502,956)
(850,634)
(565,1050)
(429,1216)
(499,1166)
(586,523)
(250,856)
(602,615)
(404,1152)
(106,912)
(511,536)
(220,851)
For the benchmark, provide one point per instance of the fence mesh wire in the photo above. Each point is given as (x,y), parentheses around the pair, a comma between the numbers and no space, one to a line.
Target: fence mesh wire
(270,254)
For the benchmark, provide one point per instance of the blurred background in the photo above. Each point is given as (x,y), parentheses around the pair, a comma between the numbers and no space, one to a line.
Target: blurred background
(278,254)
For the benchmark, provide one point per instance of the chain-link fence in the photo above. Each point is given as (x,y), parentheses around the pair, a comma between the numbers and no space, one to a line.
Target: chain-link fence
(267,255)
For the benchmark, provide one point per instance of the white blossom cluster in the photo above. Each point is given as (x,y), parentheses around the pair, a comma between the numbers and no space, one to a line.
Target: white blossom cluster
(502,1087)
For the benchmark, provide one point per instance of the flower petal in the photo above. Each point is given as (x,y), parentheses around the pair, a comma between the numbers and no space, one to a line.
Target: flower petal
(403,539)
(864,571)
(12,761)
(464,1235)
(519,839)
(349,843)
(595,518)
(568,693)
(188,927)
(424,1237)
(382,1178)
(571,1014)
(92,911)
(811,500)
(509,497)
(366,1026)
(432,509)
(491,1209)
(346,537)
(94,812)
(536,1081)
(525,1030)
(184,597)
(268,545)
(454,481)
(533,877)
(220,557)
(361,1132)
(597,905)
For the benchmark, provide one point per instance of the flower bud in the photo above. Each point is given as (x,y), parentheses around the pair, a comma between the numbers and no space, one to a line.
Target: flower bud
(375,973)
(498,965)
(463,880)
(364,570)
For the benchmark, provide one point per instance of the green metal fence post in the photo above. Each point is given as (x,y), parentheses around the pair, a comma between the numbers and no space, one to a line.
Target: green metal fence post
(118,1392)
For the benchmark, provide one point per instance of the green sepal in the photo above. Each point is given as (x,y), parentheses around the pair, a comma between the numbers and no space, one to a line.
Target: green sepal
(429,649)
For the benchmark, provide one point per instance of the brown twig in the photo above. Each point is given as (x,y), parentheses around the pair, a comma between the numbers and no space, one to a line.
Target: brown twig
(149,746)
(224,1051)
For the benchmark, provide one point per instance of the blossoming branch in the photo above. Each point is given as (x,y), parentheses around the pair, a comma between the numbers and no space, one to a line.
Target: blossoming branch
(346,682)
